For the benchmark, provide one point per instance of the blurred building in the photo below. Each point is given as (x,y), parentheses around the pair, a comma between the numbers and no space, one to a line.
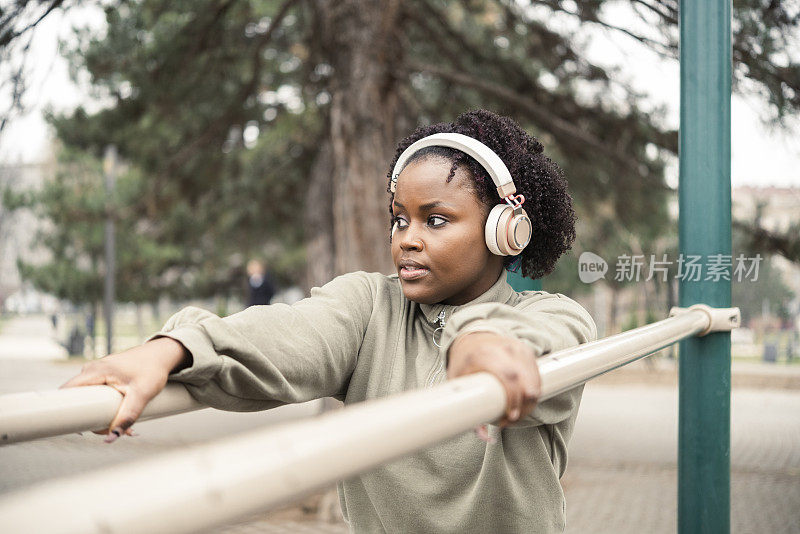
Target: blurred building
(18,231)
(778,208)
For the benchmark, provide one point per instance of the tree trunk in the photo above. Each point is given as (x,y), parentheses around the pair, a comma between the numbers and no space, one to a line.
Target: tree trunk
(318,216)
(358,40)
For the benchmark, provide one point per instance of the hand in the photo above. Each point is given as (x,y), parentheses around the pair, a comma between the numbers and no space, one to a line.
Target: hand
(139,374)
(510,360)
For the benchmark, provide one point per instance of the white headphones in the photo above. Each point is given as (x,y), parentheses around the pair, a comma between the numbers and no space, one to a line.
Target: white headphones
(508,229)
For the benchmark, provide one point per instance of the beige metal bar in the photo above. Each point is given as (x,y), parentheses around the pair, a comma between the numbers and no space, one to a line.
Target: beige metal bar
(565,369)
(200,487)
(41,414)
(214,484)
(26,416)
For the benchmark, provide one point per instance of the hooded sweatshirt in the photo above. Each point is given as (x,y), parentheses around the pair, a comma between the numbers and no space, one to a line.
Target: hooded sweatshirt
(358,338)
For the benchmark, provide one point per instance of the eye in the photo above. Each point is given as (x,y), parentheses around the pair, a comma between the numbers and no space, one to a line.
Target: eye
(400,222)
(436,221)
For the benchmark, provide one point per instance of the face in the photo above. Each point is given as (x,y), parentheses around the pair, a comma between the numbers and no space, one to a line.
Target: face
(438,245)
(254,267)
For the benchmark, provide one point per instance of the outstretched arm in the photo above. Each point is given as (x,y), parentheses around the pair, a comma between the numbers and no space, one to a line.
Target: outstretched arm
(257,359)
(265,356)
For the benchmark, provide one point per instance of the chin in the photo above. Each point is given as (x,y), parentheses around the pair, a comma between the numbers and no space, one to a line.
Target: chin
(420,295)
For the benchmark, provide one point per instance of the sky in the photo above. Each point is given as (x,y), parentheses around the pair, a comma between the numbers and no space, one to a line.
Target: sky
(761,155)
(27,137)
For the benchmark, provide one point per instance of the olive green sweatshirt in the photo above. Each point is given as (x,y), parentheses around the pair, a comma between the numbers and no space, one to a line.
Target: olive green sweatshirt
(359,338)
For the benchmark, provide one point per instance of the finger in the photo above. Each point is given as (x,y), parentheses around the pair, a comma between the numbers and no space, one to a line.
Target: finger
(527,408)
(533,383)
(103,432)
(514,390)
(527,377)
(502,369)
(113,435)
(482,432)
(513,402)
(129,411)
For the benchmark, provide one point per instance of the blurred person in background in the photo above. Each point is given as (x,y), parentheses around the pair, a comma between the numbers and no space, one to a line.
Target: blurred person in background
(260,286)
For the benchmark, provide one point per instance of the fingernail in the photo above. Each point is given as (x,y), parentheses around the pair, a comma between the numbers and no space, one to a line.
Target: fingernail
(514,415)
(112,436)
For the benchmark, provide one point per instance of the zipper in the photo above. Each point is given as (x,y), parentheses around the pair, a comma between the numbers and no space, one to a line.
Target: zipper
(440,328)
(439,368)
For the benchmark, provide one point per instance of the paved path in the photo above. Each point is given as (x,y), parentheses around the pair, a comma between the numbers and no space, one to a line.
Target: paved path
(30,337)
(622,474)
(621,478)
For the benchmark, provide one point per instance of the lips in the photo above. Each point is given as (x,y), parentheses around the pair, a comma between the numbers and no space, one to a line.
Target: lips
(412,270)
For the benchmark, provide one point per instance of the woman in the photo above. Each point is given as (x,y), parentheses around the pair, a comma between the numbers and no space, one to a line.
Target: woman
(448,310)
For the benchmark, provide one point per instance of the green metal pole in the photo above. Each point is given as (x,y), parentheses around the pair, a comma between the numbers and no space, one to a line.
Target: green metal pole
(705,230)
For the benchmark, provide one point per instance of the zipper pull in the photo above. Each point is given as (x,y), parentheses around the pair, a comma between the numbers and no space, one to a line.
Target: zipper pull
(440,329)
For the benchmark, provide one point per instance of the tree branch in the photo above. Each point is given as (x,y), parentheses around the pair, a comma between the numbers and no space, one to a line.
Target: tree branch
(444,45)
(670,15)
(10,34)
(222,122)
(786,244)
(540,114)
(664,50)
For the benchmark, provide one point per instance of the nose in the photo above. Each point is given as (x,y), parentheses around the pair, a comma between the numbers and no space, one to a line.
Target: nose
(410,239)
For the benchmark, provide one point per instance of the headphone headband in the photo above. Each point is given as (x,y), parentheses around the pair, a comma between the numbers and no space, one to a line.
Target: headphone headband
(484,155)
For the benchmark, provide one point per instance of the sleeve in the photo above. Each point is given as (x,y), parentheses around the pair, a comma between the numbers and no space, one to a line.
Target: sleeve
(547,323)
(266,356)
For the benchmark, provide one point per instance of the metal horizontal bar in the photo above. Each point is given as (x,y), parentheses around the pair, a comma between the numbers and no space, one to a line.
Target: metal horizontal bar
(566,369)
(214,484)
(42,414)
(201,487)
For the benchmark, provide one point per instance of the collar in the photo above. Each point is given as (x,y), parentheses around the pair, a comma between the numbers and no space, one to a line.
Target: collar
(500,291)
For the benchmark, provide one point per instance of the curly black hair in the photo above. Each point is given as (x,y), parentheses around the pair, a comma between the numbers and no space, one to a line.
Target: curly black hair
(538,178)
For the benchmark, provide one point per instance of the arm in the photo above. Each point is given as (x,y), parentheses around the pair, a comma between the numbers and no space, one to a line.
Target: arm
(506,340)
(266,356)
(254,360)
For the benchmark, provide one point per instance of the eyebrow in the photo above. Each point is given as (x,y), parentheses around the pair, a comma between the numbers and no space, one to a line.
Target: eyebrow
(428,206)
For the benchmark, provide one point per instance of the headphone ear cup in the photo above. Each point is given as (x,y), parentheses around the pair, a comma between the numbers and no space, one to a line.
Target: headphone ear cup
(507,233)
(520,231)
(495,230)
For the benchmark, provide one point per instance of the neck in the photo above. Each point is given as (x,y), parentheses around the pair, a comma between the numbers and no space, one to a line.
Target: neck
(479,288)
